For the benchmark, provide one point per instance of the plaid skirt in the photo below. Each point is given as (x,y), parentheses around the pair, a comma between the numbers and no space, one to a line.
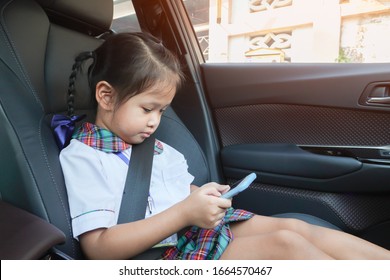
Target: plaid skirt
(206,244)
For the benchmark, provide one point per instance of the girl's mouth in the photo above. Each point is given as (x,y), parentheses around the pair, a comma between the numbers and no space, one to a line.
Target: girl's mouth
(145,134)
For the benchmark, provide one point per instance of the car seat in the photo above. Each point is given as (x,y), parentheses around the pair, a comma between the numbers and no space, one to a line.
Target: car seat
(38,43)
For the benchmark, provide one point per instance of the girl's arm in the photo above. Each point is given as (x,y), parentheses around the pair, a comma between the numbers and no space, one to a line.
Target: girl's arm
(203,208)
(124,241)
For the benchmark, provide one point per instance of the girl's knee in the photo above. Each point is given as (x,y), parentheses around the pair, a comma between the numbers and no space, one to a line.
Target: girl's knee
(287,239)
(281,244)
(295,225)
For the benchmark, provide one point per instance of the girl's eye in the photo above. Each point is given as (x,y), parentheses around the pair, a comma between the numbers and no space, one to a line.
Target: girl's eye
(147,110)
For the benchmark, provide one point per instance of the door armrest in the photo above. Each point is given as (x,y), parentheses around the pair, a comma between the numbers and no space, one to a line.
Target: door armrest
(25,236)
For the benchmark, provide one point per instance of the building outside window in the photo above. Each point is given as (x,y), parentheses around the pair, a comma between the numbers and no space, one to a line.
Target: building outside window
(285,31)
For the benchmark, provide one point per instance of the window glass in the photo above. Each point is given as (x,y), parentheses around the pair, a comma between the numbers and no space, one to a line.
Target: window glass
(125,19)
(288,31)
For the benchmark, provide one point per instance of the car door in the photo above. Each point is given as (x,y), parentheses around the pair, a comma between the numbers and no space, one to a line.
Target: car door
(317,149)
(302,101)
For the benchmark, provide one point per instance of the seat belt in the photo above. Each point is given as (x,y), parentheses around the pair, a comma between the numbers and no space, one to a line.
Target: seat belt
(136,191)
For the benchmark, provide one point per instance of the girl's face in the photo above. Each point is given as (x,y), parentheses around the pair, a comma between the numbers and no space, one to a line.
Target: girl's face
(137,118)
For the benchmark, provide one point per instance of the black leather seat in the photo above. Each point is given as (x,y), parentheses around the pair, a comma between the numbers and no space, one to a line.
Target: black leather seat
(37,53)
(38,42)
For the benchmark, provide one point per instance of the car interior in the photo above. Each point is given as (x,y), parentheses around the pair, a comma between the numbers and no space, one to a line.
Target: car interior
(325,186)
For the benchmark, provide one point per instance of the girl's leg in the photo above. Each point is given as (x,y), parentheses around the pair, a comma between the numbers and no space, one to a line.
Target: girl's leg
(278,245)
(337,244)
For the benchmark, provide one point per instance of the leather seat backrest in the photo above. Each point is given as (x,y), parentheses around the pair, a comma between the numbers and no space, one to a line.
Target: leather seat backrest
(38,43)
(36,59)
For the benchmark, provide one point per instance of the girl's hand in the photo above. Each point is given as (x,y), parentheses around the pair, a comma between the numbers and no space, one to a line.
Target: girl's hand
(204,207)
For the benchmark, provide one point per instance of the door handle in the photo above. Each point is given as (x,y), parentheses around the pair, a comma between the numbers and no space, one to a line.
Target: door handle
(376,94)
(379,100)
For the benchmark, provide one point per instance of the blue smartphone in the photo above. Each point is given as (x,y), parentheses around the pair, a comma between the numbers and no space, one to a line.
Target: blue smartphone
(243,184)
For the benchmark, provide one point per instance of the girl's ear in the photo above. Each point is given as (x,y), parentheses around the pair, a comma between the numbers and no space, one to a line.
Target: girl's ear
(105,94)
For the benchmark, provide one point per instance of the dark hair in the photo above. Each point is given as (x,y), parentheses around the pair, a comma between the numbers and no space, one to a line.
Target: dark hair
(130,62)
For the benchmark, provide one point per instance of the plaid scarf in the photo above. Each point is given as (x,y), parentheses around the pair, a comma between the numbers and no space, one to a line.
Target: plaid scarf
(106,141)
(100,138)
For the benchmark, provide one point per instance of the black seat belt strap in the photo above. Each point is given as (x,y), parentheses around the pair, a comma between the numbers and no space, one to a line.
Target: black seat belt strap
(136,191)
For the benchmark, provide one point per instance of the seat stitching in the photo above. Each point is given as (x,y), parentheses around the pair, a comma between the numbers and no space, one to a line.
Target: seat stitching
(26,162)
(11,46)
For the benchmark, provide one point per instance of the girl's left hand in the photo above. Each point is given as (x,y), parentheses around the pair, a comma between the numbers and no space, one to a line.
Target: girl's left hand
(204,208)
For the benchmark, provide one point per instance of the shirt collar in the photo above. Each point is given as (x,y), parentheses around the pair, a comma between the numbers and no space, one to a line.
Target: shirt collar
(100,138)
(106,141)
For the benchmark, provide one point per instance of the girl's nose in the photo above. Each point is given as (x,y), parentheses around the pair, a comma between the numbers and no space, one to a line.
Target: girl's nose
(154,120)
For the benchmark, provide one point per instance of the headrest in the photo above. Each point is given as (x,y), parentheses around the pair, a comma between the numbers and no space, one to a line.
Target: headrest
(92,17)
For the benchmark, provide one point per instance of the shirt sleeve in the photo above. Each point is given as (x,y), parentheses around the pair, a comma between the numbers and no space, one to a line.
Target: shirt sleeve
(91,202)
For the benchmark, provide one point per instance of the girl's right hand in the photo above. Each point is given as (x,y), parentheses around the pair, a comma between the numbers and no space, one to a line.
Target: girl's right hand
(204,207)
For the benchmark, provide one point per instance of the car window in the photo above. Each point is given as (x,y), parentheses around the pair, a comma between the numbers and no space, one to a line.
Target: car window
(344,31)
(125,19)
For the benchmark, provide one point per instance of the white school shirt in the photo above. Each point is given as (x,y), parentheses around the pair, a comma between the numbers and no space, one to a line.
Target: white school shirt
(95,181)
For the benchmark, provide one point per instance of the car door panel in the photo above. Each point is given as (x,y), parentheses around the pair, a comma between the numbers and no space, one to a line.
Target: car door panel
(288,160)
(309,133)
(334,164)
(335,85)
(287,164)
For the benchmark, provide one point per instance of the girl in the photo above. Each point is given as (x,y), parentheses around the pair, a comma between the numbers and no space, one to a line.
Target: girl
(134,79)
